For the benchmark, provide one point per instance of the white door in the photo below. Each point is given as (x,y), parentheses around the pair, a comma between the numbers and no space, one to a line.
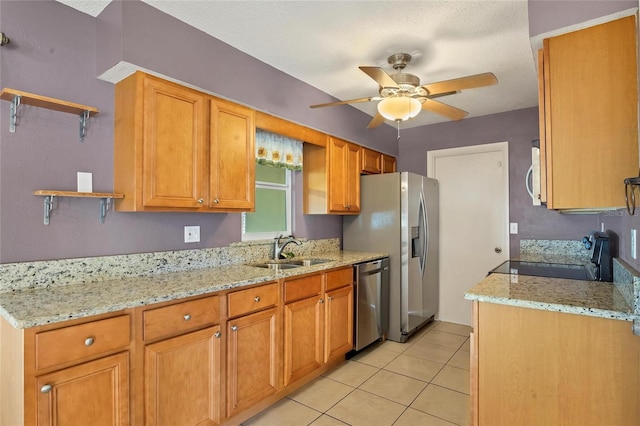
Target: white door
(474,215)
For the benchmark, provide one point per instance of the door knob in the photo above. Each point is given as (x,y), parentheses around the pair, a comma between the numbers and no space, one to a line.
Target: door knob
(497,250)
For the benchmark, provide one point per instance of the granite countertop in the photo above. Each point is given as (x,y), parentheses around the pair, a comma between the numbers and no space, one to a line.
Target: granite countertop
(34,307)
(592,298)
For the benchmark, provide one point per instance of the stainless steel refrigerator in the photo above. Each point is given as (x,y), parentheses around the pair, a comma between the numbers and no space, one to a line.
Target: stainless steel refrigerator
(399,216)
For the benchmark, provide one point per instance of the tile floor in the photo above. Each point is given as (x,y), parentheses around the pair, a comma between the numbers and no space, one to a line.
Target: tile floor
(422,382)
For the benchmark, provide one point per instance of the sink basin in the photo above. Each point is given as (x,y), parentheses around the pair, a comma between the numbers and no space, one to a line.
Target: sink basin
(308,262)
(276,266)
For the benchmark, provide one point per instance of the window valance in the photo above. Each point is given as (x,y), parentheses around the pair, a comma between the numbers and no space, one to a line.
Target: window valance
(278,150)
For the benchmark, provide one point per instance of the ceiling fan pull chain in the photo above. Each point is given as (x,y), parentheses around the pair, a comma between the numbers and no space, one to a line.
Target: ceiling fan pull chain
(398,140)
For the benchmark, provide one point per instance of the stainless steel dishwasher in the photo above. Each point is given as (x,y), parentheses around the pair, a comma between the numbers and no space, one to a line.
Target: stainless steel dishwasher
(371,300)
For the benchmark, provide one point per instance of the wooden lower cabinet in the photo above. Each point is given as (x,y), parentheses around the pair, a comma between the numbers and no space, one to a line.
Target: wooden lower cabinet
(303,337)
(338,322)
(182,379)
(537,367)
(252,359)
(96,392)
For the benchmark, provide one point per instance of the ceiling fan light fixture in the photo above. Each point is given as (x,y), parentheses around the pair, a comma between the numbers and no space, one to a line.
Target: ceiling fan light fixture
(399,108)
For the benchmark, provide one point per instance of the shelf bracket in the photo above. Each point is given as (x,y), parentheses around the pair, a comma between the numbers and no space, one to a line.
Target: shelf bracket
(48,206)
(84,118)
(13,113)
(104,206)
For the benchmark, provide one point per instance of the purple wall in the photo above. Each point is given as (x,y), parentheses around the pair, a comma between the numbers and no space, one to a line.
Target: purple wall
(54,53)
(518,128)
(546,15)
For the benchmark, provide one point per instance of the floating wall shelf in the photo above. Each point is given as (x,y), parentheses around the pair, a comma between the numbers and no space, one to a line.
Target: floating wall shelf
(105,199)
(17,98)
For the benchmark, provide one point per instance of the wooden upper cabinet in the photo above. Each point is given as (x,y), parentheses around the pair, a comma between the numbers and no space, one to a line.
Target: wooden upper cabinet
(169,157)
(590,115)
(344,177)
(232,156)
(371,161)
(388,164)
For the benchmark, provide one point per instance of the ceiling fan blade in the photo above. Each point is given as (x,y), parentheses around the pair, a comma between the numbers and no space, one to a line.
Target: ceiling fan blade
(380,76)
(350,101)
(462,83)
(444,109)
(377,121)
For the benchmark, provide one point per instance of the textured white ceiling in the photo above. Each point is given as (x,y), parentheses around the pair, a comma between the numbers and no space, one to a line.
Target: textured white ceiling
(323,42)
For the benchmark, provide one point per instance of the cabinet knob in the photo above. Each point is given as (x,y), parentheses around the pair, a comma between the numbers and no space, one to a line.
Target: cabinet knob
(46,388)
(330,298)
(200,200)
(187,317)
(321,300)
(234,328)
(256,299)
(217,335)
(216,201)
(88,341)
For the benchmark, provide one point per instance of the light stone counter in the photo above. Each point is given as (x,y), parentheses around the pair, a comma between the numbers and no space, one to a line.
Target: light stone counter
(50,304)
(592,298)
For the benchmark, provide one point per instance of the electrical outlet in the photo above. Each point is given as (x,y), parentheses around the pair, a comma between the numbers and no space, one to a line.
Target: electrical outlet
(633,244)
(191,234)
(513,227)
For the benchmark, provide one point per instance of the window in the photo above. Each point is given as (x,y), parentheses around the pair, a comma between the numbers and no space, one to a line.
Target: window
(273,215)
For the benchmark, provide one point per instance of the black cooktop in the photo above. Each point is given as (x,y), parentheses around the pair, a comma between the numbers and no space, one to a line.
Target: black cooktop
(542,269)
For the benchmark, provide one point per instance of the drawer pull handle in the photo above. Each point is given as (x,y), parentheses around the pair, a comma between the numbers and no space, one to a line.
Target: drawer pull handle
(257,298)
(88,341)
(46,388)
(187,317)
(217,335)
(234,328)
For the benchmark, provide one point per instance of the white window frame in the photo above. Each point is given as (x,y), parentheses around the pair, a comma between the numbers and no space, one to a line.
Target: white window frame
(252,236)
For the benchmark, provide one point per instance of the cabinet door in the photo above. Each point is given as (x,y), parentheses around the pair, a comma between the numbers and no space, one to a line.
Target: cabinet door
(232,157)
(303,338)
(173,147)
(592,115)
(344,177)
(252,359)
(96,393)
(338,322)
(388,164)
(371,162)
(182,380)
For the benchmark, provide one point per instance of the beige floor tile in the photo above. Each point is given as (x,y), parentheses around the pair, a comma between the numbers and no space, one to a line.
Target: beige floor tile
(449,327)
(352,373)
(393,386)
(393,346)
(460,359)
(321,394)
(444,339)
(285,412)
(376,357)
(363,408)
(453,378)
(466,346)
(431,351)
(325,420)
(413,417)
(417,368)
(444,403)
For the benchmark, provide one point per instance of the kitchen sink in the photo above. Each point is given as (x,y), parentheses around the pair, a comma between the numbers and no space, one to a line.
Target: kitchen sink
(308,262)
(290,264)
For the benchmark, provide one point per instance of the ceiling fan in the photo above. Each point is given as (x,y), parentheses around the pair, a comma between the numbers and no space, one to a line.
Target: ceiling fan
(402,97)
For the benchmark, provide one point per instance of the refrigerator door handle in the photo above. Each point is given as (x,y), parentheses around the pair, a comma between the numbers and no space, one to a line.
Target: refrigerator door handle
(419,243)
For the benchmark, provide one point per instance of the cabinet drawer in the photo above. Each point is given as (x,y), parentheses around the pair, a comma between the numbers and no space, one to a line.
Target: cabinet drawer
(181,317)
(252,299)
(301,288)
(339,278)
(77,342)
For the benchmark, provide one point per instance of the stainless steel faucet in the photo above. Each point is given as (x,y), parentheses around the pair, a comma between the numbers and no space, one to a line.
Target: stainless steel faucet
(278,246)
